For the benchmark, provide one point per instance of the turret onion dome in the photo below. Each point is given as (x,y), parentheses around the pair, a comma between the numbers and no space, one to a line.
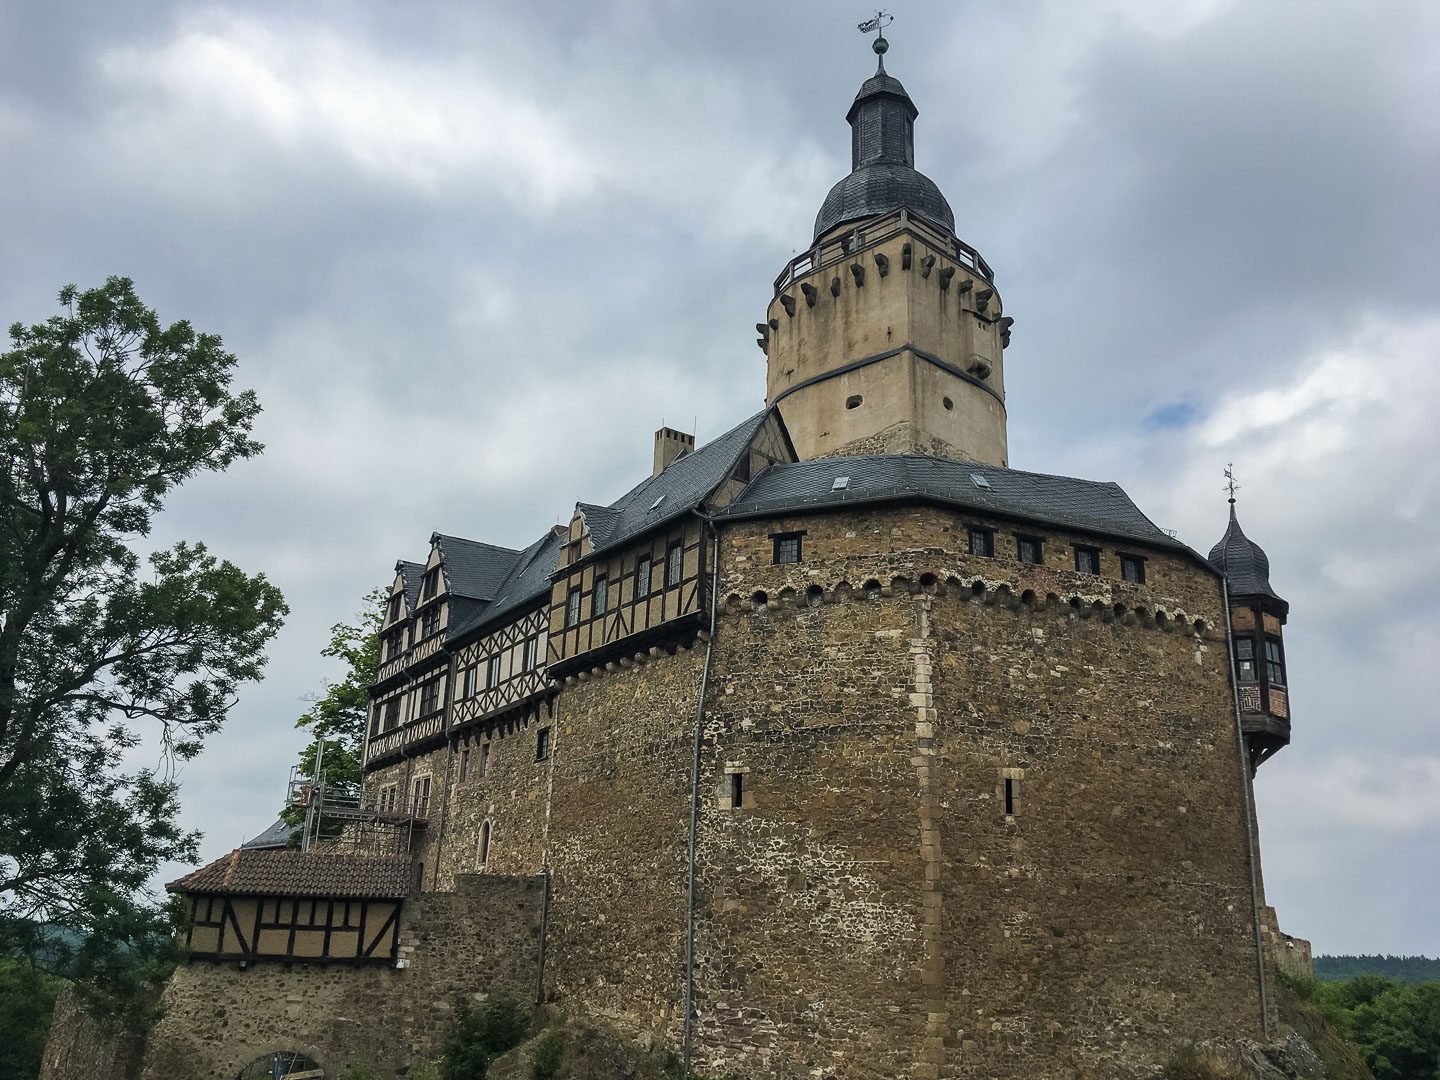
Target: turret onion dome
(1243,562)
(882,162)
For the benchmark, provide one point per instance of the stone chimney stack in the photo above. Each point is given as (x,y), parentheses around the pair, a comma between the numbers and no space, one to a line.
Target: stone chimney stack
(669,445)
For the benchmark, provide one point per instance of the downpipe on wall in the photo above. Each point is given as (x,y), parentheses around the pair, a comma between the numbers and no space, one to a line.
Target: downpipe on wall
(688,1037)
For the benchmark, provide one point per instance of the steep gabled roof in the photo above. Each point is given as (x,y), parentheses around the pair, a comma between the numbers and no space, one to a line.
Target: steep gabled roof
(410,575)
(1057,500)
(276,836)
(680,488)
(474,570)
(527,582)
(276,872)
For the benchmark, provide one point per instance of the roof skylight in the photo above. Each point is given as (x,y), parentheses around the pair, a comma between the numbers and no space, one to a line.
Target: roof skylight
(979,481)
(840,484)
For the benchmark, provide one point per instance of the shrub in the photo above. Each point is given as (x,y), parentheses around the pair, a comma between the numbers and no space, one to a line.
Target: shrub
(482,1034)
(546,1058)
(1189,1063)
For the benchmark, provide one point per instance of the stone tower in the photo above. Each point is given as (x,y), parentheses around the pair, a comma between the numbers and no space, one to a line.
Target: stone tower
(1257,626)
(887,335)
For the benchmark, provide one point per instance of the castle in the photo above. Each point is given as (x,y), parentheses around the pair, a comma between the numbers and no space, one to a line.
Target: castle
(833,748)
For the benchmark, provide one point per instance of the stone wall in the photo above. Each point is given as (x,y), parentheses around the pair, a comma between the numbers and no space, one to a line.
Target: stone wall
(484,936)
(83,1048)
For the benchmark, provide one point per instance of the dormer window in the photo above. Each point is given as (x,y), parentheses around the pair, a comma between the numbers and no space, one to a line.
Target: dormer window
(394,612)
(431,585)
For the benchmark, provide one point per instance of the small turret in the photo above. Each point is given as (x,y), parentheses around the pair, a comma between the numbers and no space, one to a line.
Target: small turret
(1257,621)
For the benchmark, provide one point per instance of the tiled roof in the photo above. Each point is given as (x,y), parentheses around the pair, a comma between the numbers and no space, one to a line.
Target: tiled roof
(1243,562)
(528,581)
(1058,500)
(280,872)
(679,489)
(276,836)
(475,570)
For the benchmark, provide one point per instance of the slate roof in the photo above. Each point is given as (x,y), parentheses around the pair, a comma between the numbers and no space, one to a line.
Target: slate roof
(882,175)
(527,582)
(410,575)
(1243,562)
(474,570)
(272,872)
(276,836)
(684,484)
(1058,500)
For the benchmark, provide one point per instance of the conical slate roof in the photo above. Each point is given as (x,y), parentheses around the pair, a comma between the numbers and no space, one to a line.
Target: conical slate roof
(1244,563)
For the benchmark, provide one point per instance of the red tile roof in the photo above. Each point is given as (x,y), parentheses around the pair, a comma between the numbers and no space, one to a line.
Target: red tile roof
(258,871)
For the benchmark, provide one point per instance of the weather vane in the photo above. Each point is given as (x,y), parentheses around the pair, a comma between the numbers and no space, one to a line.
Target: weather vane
(877,26)
(1230,485)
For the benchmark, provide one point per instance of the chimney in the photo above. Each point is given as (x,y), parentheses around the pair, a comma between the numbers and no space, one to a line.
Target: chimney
(669,445)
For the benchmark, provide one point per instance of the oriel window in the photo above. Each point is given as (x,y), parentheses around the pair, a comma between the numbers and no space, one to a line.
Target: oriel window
(1087,559)
(1245,659)
(1030,549)
(1274,662)
(1132,569)
(982,541)
(602,595)
(642,577)
(787,548)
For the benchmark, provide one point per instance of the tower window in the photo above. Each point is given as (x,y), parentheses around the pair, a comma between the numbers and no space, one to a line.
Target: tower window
(947,403)
(572,607)
(737,790)
(1087,559)
(464,764)
(1132,569)
(484,758)
(786,548)
(1030,549)
(853,401)
(484,843)
(1274,662)
(982,541)
(674,564)
(642,577)
(542,744)
(1245,659)
(1009,797)
(602,595)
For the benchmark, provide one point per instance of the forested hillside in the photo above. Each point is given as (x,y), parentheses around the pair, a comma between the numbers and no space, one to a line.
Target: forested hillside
(1405,969)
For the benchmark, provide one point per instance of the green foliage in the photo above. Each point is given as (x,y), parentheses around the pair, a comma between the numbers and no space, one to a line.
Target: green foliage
(482,1034)
(339,715)
(27,997)
(1394,1027)
(358,1070)
(545,1059)
(1404,969)
(103,412)
(427,1070)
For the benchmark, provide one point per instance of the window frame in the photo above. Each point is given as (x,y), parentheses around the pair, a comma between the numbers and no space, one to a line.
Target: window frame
(492,671)
(644,569)
(778,543)
(430,622)
(572,606)
(1021,539)
(675,564)
(1275,664)
(1242,660)
(542,743)
(1091,552)
(1129,561)
(985,535)
(600,595)
(530,653)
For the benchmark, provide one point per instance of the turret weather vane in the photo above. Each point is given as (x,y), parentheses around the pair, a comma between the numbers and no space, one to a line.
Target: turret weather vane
(1230,485)
(877,26)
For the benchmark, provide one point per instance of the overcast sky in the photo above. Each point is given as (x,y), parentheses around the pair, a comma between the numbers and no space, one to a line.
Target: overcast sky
(472,255)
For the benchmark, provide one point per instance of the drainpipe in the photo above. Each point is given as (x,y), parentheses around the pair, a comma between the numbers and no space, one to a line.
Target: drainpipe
(688,1036)
(1245,792)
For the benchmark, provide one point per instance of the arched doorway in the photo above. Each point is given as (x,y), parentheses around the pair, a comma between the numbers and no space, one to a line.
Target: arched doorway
(283,1065)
